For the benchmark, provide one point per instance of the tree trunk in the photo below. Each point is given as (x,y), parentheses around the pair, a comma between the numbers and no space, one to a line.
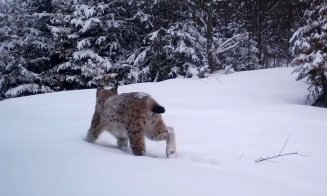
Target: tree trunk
(324,87)
(210,38)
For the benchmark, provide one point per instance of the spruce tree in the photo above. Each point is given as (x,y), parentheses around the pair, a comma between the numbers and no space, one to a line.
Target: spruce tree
(310,49)
(24,51)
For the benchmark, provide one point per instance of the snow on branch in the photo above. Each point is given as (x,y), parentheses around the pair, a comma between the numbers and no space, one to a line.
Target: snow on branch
(86,53)
(27,88)
(83,43)
(88,24)
(140,57)
(143,18)
(85,10)
(228,44)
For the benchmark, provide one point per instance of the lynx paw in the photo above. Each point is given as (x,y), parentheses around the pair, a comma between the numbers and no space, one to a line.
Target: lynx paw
(123,148)
(90,138)
(139,153)
(171,154)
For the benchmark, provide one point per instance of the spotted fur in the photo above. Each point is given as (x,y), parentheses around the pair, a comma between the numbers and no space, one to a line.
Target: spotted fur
(130,117)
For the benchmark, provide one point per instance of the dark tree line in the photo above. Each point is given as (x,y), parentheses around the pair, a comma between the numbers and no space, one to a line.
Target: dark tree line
(58,45)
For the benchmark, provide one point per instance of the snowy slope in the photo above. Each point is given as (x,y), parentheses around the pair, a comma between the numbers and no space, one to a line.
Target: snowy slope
(222,123)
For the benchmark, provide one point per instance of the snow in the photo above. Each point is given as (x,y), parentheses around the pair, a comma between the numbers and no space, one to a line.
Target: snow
(153,35)
(306,45)
(33,88)
(2,80)
(227,44)
(86,10)
(54,30)
(113,24)
(100,39)
(87,24)
(140,58)
(318,60)
(324,27)
(86,53)
(298,33)
(84,42)
(223,124)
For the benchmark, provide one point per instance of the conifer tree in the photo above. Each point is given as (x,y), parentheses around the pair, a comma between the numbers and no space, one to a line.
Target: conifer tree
(310,49)
(24,51)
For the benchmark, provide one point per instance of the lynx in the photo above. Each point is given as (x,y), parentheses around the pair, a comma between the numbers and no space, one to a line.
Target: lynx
(130,117)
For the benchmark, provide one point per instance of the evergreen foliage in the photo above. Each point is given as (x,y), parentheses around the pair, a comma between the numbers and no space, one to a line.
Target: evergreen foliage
(310,48)
(58,45)
(24,49)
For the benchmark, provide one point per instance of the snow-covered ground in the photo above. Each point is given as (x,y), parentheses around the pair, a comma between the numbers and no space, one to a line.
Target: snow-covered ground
(222,123)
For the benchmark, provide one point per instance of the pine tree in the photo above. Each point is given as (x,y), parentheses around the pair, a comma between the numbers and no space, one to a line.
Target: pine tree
(63,42)
(24,50)
(170,44)
(56,45)
(5,45)
(310,48)
(102,35)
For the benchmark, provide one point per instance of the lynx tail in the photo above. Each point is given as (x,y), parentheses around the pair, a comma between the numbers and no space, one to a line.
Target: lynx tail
(158,109)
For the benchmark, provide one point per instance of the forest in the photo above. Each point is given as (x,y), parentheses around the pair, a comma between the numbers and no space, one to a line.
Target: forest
(48,46)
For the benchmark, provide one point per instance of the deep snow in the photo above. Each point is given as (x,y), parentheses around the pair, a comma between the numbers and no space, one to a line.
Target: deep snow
(222,124)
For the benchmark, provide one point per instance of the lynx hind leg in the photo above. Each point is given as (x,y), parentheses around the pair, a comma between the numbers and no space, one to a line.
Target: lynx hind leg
(171,143)
(93,134)
(122,144)
(136,141)
(165,133)
(95,129)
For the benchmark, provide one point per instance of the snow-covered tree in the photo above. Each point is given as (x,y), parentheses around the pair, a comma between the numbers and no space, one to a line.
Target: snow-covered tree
(23,51)
(169,44)
(233,47)
(102,37)
(310,49)
(63,45)
(4,44)
(168,53)
(242,54)
(60,28)
(74,44)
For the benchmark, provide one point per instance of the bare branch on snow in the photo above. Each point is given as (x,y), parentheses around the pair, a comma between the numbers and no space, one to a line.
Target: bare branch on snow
(280,154)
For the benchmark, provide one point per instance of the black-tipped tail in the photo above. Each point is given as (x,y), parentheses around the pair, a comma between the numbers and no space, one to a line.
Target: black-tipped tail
(158,109)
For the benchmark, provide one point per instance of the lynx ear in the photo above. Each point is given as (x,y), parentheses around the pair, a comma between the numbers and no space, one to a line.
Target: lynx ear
(98,91)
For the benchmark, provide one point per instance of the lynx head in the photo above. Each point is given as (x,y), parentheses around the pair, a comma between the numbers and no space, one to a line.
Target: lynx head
(104,93)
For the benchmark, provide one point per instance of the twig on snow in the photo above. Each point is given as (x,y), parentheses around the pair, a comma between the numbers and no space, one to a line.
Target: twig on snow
(279,155)
(281,151)
(240,157)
